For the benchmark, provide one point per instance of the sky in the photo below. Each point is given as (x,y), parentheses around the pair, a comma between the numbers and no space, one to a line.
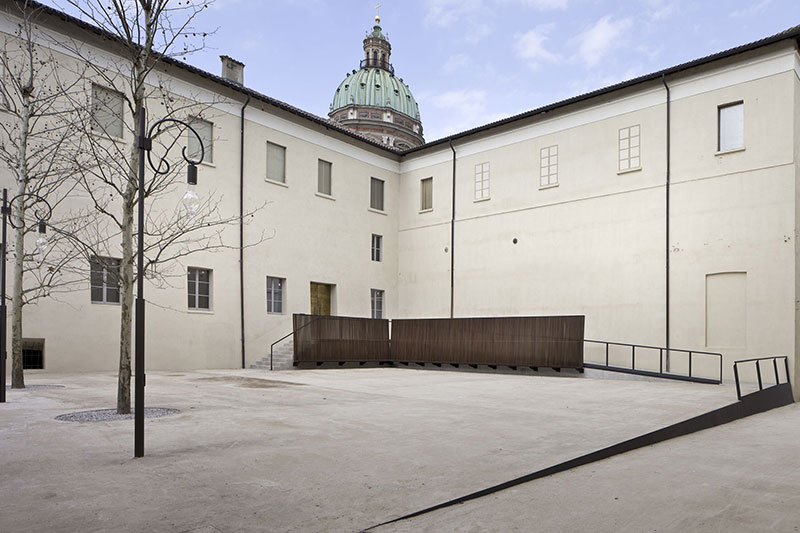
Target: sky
(470,62)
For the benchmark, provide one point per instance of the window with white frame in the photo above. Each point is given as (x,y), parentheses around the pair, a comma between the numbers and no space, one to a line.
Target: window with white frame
(376,194)
(324,185)
(205,130)
(377,247)
(426,194)
(731,126)
(276,162)
(629,144)
(377,303)
(482,181)
(107,111)
(275,295)
(104,274)
(199,288)
(548,174)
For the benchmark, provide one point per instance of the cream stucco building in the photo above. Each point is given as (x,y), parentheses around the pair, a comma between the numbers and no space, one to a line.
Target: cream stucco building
(665,209)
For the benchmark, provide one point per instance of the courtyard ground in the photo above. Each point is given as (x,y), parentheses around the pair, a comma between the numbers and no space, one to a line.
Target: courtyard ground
(342,450)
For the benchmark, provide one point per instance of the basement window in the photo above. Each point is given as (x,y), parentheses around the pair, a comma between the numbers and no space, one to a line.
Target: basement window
(33,354)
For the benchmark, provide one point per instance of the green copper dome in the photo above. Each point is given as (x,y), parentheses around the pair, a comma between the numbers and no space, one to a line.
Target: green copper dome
(375,87)
(377,33)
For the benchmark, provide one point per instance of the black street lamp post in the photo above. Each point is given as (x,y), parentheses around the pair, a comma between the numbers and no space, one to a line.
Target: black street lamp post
(190,200)
(41,243)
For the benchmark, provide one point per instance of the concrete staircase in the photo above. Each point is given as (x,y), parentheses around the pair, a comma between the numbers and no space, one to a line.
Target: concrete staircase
(282,357)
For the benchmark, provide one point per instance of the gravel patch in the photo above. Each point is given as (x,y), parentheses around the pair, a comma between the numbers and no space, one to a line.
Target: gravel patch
(107,415)
(35,387)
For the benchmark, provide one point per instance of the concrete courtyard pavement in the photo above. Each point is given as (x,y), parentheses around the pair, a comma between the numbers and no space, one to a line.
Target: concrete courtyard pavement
(342,450)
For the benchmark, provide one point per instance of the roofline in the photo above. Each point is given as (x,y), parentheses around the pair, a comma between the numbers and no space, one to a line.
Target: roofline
(790,33)
(217,79)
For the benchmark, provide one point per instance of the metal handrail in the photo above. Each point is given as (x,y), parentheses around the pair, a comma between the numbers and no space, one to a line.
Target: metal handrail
(661,351)
(757,361)
(377,63)
(272,346)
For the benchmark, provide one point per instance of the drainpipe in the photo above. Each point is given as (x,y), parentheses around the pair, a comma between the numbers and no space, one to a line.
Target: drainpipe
(664,81)
(453,234)
(241,229)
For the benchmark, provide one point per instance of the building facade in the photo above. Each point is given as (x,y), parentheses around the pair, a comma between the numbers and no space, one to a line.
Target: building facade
(665,209)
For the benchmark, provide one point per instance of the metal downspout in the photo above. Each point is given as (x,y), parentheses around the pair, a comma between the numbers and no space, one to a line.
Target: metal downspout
(241,230)
(453,234)
(664,81)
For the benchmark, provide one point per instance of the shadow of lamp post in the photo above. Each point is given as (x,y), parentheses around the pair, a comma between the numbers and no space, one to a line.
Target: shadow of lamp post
(192,203)
(42,217)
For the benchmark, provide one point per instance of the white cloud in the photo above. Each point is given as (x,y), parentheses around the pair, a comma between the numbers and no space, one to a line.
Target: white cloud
(456,63)
(597,41)
(530,45)
(754,9)
(446,12)
(458,110)
(661,9)
(545,4)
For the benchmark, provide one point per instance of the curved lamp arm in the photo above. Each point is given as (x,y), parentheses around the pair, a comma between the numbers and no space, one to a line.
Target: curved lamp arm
(158,169)
(42,215)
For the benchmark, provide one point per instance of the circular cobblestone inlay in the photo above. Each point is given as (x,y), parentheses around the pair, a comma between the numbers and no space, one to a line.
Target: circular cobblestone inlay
(107,415)
(35,387)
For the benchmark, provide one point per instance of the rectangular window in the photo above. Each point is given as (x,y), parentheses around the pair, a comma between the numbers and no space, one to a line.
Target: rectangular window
(426,194)
(377,245)
(276,162)
(376,194)
(549,166)
(629,157)
(104,279)
(33,354)
(205,130)
(324,177)
(731,126)
(482,181)
(377,303)
(107,108)
(275,295)
(199,283)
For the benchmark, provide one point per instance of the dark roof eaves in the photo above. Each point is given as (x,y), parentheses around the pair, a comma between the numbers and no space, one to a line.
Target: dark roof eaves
(791,33)
(220,80)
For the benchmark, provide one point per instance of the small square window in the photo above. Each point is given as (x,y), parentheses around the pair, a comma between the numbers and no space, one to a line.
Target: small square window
(275,295)
(104,274)
(426,194)
(629,148)
(548,171)
(482,181)
(376,194)
(377,247)
(276,162)
(107,111)
(377,303)
(324,177)
(199,288)
(205,130)
(33,354)
(731,126)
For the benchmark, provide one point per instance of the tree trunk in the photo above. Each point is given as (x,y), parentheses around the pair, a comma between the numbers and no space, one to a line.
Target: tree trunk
(126,284)
(17,377)
(18,217)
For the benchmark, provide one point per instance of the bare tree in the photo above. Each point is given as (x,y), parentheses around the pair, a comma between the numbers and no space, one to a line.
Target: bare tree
(37,146)
(146,32)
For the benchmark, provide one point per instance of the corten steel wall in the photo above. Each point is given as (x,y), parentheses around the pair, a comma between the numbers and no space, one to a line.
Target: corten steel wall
(548,341)
(320,338)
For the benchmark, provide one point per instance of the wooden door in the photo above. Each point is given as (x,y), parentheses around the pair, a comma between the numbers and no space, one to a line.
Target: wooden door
(320,299)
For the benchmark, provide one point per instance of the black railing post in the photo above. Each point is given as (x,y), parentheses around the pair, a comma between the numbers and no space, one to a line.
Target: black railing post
(775,367)
(606,354)
(690,364)
(736,377)
(633,357)
(661,360)
(786,362)
(758,373)
(720,368)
